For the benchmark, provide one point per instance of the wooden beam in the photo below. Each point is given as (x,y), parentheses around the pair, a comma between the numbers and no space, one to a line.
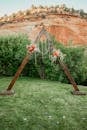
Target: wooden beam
(65,68)
(21,67)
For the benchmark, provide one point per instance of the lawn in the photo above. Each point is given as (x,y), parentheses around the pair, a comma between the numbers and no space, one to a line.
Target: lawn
(42,105)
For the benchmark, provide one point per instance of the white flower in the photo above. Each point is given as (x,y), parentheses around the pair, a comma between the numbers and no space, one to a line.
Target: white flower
(37,49)
(24,119)
(50,117)
(64,117)
(57,122)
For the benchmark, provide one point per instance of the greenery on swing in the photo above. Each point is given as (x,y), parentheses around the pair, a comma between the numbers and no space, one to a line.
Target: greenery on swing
(13,50)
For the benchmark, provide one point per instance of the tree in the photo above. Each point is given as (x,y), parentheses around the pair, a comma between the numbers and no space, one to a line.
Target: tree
(72,10)
(13,15)
(27,12)
(82,13)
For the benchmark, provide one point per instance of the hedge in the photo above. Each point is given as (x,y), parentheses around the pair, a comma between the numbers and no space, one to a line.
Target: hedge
(13,50)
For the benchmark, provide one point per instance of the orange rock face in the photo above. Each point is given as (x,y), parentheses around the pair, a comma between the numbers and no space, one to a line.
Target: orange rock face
(66,35)
(65,29)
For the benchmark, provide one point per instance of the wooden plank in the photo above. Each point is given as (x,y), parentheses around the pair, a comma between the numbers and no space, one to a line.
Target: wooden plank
(65,68)
(21,67)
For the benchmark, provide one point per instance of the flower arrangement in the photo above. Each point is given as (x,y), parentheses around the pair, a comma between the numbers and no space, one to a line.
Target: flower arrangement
(32,48)
(57,54)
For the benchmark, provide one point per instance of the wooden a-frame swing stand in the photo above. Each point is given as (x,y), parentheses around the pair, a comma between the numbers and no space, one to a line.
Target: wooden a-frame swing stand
(9,90)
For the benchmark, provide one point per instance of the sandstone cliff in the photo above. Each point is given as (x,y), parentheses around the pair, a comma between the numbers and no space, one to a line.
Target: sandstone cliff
(65,27)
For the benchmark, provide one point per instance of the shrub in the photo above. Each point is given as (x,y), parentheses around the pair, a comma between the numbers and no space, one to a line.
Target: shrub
(75,60)
(13,50)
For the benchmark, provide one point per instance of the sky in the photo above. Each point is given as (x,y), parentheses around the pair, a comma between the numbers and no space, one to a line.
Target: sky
(10,6)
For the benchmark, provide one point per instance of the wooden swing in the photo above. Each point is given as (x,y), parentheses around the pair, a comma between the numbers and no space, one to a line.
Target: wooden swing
(9,90)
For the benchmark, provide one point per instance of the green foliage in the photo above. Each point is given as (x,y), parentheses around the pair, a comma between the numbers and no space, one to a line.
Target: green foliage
(74,59)
(13,50)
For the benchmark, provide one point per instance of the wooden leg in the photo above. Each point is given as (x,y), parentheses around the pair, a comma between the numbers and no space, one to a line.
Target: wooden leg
(21,67)
(76,89)
(64,67)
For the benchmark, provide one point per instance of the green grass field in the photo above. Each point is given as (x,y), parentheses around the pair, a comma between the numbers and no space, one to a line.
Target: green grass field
(42,105)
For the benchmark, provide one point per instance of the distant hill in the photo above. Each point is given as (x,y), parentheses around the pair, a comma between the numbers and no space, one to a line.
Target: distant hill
(66,24)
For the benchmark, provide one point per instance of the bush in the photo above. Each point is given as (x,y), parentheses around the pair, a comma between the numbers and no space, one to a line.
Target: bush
(13,50)
(75,61)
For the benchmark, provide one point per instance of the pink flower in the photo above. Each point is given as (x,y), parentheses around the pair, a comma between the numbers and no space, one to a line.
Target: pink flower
(31,48)
(56,53)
